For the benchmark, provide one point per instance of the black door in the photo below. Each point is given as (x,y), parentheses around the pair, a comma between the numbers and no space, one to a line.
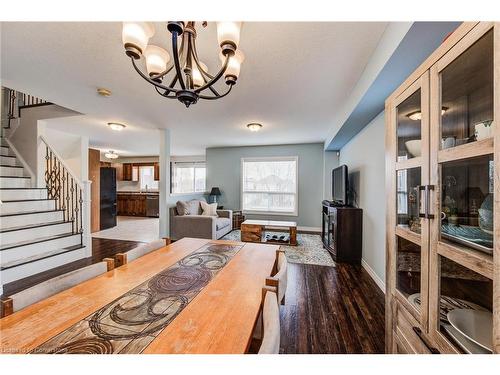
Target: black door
(108,198)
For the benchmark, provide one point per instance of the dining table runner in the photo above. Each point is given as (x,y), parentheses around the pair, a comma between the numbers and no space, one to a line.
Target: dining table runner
(132,321)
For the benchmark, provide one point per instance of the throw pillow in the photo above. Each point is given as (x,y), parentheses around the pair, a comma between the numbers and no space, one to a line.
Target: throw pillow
(193,207)
(209,209)
(182,208)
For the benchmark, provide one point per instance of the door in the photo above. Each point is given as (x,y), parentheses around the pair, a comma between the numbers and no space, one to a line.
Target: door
(463,117)
(407,142)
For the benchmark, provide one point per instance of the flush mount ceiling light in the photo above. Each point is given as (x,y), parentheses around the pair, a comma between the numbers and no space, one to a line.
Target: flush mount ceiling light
(254,127)
(190,76)
(111,155)
(103,92)
(116,126)
(417,115)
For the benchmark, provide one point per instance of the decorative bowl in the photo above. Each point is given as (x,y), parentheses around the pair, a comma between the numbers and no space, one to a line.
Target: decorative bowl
(483,129)
(414,147)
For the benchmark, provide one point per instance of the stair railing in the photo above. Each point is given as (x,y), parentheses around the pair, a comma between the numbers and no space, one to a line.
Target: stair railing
(18,100)
(68,191)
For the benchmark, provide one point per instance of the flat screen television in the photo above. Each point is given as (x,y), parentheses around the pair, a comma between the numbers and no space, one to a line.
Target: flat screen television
(339,185)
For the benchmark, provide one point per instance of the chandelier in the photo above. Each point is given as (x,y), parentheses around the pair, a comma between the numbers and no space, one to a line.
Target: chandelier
(190,79)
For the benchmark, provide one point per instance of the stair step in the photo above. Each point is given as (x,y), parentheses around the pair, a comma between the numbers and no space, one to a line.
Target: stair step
(5,150)
(23,194)
(16,171)
(8,160)
(33,232)
(15,182)
(30,218)
(22,206)
(42,262)
(48,243)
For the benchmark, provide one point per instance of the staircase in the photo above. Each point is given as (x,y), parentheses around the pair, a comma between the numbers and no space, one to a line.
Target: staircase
(40,228)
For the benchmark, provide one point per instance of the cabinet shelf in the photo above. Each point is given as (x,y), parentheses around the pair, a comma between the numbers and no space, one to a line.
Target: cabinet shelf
(474,260)
(405,232)
(468,150)
(409,163)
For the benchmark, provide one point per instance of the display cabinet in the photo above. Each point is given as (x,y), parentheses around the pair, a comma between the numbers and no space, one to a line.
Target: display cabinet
(443,204)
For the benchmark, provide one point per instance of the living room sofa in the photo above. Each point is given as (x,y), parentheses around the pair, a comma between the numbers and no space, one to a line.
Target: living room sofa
(193,224)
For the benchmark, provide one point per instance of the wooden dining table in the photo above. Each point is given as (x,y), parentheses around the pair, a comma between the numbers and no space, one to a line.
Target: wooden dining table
(216,313)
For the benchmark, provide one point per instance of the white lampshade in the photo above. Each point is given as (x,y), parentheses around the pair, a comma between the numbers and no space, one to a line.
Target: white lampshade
(156,59)
(137,34)
(111,155)
(197,77)
(228,32)
(234,64)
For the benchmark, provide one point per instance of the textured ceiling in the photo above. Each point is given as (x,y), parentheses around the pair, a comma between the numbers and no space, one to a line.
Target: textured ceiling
(294,78)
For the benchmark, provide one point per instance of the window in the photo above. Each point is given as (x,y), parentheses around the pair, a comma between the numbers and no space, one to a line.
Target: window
(188,177)
(269,185)
(147,178)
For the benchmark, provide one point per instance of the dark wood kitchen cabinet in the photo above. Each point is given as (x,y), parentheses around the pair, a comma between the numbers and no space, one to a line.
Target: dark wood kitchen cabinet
(131,204)
(127,172)
(156,171)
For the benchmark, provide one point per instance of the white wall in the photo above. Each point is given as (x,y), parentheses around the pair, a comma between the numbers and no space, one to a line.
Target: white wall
(365,157)
(330,161)
(73,150)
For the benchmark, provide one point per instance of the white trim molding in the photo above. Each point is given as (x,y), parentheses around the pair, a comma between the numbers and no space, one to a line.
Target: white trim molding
(380,283)
(295,193)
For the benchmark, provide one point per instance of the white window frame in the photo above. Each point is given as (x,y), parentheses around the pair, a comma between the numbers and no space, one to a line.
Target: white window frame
(139,178)
(195,163)
(296,193)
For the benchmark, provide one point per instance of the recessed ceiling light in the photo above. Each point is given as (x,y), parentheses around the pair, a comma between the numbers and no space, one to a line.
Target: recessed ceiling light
(111,155)
(417,115)
(103,92)
(254,127)
(116,126)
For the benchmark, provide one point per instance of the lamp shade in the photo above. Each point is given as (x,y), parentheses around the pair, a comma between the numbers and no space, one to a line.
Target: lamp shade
(136,35)
(234,64)
(228,32)
(215,191)
(156,59)
(197,77)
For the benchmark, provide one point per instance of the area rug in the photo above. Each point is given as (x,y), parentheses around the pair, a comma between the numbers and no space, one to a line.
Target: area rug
(309,249)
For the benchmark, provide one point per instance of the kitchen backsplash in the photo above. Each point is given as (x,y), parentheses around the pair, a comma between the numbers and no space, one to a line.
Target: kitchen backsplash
(129,186)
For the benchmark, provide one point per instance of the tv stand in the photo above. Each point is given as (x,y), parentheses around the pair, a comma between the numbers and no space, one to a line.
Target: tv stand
(342,232)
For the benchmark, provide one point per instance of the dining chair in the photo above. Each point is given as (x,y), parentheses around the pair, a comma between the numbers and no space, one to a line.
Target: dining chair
(53,286)
(279,279)
(271,322)
(141,250)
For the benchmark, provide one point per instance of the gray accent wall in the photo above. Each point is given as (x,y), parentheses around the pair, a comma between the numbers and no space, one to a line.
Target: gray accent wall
(365,157)
(224,171)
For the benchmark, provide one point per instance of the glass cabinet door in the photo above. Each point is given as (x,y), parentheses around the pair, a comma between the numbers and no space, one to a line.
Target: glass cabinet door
(462,174)
(411,148)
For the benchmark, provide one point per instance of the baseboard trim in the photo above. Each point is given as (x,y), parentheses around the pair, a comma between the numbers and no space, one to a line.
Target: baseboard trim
(380,283)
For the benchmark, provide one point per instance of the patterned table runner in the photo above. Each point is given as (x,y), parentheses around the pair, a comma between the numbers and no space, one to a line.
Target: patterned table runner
(132,321)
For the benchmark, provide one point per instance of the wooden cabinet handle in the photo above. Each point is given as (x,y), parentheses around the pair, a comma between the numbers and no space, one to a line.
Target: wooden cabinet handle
(432,349)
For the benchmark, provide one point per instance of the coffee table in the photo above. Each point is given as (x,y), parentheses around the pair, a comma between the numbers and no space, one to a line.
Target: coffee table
(254,231)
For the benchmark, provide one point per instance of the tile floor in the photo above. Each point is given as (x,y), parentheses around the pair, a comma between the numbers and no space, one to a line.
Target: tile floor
(130,228)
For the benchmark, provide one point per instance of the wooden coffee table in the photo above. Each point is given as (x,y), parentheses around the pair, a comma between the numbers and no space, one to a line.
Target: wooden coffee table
(254,231)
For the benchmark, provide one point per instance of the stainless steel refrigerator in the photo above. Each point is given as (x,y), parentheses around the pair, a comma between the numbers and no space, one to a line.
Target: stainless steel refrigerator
(108,198)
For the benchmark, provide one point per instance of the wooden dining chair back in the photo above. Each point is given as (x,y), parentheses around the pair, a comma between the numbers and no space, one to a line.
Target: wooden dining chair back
(280,278)
(53,286)
(139,251)
(271,323)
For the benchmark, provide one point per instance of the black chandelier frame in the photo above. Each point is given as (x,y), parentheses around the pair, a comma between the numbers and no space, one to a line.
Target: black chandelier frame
(186,55)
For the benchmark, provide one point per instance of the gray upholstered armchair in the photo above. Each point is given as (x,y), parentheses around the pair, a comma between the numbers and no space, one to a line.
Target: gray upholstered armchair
(193,224)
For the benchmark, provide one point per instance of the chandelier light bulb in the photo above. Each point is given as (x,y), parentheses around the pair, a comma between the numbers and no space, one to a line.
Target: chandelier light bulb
(234,65)
(197,77)
(135,37)
(156,59)
(228,33)
(111,155)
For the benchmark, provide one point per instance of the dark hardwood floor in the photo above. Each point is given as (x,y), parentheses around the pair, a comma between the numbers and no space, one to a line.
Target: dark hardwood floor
(327,309)
(101,248)
(332,310)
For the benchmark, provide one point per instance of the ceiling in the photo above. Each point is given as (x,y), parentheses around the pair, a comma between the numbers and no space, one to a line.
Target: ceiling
(295,76)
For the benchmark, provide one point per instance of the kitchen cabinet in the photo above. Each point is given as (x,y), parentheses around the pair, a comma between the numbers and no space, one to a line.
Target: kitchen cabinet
(133,204)
(156,171)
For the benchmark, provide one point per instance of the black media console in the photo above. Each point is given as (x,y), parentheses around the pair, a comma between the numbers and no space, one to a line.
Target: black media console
(342,232)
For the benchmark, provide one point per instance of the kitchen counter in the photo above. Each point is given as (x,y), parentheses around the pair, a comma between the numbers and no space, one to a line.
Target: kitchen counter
(139,192)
